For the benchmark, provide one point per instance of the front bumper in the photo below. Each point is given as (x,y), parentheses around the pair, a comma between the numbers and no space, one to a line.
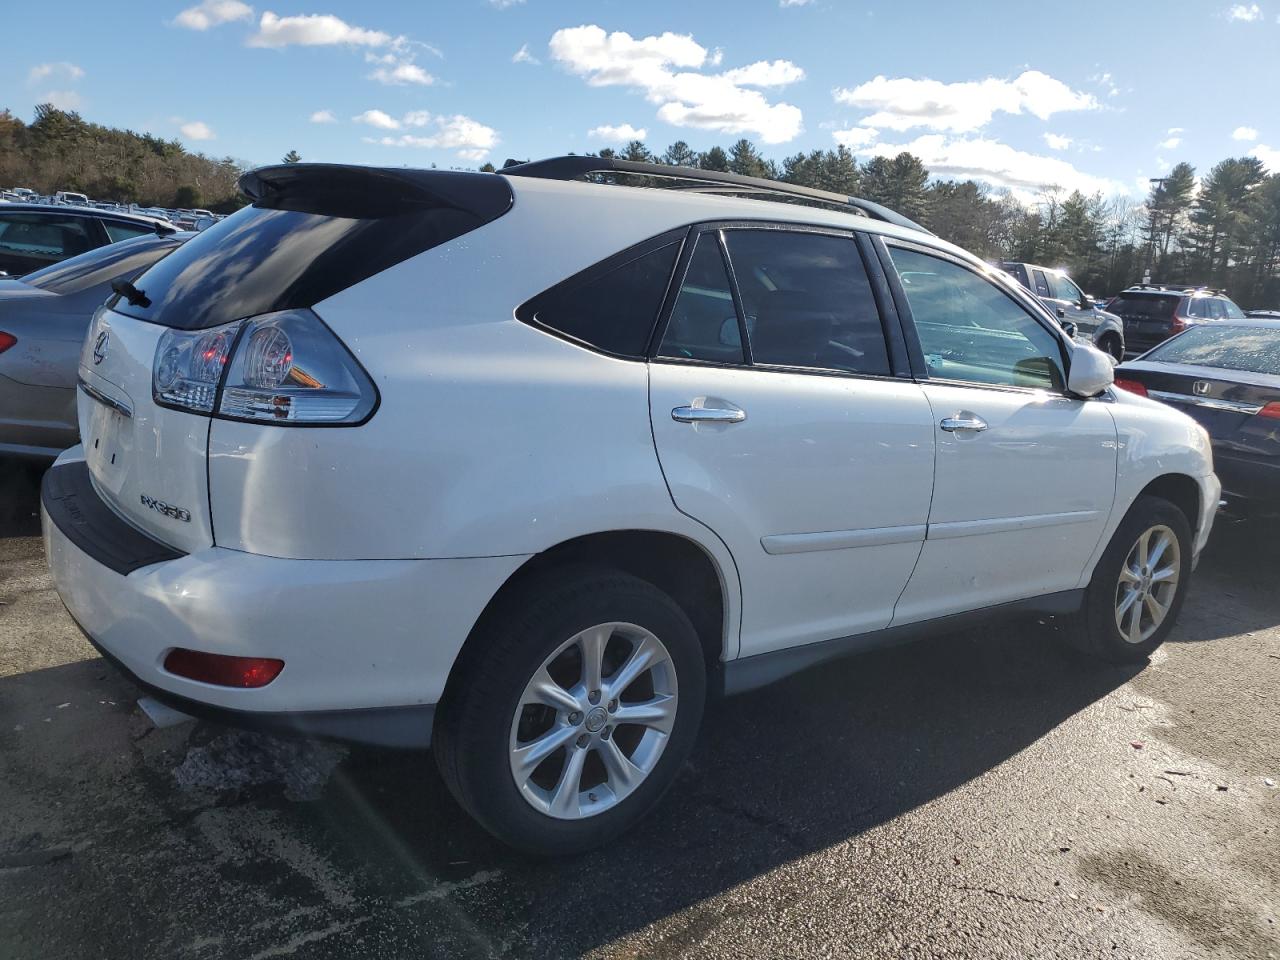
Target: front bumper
(367,644)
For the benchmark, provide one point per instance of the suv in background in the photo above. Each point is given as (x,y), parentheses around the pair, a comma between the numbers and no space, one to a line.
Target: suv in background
(1153,313)
(391,454)
(34,235)
(1070,305)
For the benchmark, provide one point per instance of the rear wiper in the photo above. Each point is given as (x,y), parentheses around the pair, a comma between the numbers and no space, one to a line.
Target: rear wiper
(134,296)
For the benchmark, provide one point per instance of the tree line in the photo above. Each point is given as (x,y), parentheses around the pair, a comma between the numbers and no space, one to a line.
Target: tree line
(1219,229)
(1222,230)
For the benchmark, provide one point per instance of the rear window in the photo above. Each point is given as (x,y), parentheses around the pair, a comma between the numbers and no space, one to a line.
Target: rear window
(614,305)
(1255,349)
(1144,306)
(118,261)
(308,237)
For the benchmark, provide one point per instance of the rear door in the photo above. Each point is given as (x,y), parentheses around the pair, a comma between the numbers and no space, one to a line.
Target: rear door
(1025,474)
(780,424)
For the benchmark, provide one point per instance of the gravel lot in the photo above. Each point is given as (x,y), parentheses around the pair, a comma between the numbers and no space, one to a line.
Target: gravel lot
(978,795)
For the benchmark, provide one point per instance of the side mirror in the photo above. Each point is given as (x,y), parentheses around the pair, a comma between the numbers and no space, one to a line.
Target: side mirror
(1070,327)
(1091,372)
(1062,313)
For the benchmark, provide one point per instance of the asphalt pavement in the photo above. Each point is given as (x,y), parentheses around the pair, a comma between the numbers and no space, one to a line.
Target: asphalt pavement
(982,794)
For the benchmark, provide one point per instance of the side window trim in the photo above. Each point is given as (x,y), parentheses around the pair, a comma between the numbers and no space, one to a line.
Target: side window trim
(736,292)
(1014,293)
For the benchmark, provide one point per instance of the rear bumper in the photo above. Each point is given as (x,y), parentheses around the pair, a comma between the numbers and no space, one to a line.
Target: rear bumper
(1250,487)
(367,644)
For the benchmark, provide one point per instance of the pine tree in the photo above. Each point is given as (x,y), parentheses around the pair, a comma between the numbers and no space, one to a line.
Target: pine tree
(745,160)
(680,154)
(714,159)
(291,157)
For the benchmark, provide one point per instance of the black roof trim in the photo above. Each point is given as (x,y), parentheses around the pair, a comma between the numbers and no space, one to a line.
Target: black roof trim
(346,190)
(702,181)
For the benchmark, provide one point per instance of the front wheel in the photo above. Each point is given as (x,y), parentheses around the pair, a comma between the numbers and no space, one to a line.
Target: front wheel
(1138,586)
(575,713)
(1113,346)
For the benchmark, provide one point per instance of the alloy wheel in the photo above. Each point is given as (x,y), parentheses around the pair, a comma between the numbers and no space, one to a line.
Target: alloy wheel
(593,721)
(1148,584)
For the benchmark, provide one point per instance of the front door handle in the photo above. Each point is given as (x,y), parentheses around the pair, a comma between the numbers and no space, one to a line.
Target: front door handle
(965,423)
(707,415)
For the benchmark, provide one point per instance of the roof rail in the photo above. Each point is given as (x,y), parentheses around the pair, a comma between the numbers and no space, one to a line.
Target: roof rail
(701,181)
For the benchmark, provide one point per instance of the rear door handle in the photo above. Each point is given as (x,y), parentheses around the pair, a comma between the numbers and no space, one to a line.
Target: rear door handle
(707,415)
(968,423)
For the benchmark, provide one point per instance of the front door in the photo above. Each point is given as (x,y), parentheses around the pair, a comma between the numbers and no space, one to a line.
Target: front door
(1025,474)
(780,427)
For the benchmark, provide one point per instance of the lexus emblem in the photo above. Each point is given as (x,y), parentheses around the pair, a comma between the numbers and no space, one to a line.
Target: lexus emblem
(100,347)
(1200,388)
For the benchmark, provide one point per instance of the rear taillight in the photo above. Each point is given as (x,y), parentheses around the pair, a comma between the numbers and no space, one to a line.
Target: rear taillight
(1271,411)
(1178,324)
(1133,386)
(7,340)
(221,670)
(282,368)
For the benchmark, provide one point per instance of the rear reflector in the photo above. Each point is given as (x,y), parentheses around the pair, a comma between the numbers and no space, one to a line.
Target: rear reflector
(1271,410)
(223,671)
(1133,386)
(7,340)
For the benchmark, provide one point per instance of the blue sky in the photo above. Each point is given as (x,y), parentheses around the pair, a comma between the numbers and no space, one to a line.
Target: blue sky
(1095,95)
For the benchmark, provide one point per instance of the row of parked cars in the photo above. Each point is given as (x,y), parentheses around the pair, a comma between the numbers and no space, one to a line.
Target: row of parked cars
(371,459)
(182,218)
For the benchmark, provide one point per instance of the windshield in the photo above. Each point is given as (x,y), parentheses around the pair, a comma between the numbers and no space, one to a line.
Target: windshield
(1146,306)
(1255,349)
(125,260)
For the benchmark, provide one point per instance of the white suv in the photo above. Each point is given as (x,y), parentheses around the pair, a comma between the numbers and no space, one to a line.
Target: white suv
(525,467)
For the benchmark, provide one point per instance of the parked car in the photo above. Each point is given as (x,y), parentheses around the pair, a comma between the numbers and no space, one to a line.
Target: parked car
(1263,314)
(43,321)
(1227,376)
(36,235)
(71,199)
(1153,313)
(1078,312)
(372,458)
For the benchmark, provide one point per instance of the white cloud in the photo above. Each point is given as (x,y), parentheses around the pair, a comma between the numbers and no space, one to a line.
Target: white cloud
(323,116)
(376,118)
(1270,157)
(505,4)
(1107,82)
(524,56)
(995,163)
(1171,143)
(62,69)
(401,74)
(63,99)
(1244,133)
(313,30)
(856,137)
(794,3)
(904,102)
(1247,14)
(197,130)
(211,13)
(685,99)
(471,139)
(765,73)
(621,133)
(1056,141)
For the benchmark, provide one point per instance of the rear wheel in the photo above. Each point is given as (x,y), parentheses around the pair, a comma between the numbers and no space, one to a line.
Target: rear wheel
(1138,586)
(1113,346)
(580,702)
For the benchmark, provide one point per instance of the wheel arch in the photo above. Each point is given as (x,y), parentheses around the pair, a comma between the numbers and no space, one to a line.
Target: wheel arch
(1182,491)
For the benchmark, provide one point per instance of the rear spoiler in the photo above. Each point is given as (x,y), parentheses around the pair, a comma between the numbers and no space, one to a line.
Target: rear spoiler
(343,190)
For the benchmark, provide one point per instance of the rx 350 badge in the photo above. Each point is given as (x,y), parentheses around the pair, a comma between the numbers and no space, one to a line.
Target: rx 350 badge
(168,509)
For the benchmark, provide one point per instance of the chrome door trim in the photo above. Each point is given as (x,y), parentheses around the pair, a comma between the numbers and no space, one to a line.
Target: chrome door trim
(784,543)
(1210,403)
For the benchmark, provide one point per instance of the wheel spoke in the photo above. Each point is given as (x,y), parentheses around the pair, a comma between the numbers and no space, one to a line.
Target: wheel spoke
(658,713)
(1143,543)
(1135,623)
(564,798)
(592,643)
(1162,544)
(542,689)
(1162,576)
(527,758)
(1123,606)
(1127,575)
(1156,609)
(645,655)
(623,774)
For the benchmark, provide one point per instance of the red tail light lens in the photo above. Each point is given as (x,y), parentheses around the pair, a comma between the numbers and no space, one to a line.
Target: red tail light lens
(1133,386)
(7,340)
(221,670)
(1271,411)
(1178,325)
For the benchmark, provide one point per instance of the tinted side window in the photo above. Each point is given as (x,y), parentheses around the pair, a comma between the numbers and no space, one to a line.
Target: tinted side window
(1231,311)
(704,323)
(44,238)
(614,311)
(1042,285)
(1065,289)
(1199,307)
(808,301)
(1019,272)
(971,330)
(117,231)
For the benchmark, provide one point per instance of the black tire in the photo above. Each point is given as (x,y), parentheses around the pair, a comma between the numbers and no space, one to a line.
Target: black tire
(1112,345)
(1094,631)
(474,722)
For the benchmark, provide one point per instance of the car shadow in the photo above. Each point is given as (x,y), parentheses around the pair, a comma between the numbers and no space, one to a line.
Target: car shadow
(20,497)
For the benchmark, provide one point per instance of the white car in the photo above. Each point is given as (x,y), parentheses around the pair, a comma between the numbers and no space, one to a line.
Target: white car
(526,465)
